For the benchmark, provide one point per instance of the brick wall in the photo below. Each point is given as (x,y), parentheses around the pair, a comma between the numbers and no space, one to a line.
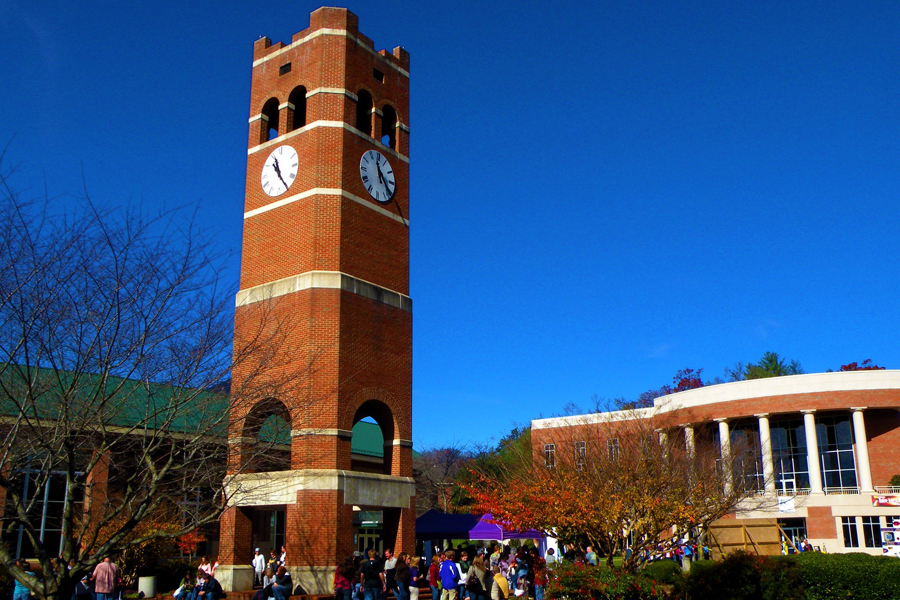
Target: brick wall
(328,356)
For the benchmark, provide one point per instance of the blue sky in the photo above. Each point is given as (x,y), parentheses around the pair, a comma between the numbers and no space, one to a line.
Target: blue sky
(601,195)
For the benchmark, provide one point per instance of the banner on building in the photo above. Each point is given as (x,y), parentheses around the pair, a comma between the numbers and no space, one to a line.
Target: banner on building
(886,500)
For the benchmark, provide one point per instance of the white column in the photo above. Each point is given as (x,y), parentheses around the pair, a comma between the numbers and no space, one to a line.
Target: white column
(812,452)
(765,446)
(863,468)
(663,437)
(689,439)
(725,447)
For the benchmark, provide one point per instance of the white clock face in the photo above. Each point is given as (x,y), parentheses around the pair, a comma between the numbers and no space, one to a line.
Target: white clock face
(377,175)
(279,171)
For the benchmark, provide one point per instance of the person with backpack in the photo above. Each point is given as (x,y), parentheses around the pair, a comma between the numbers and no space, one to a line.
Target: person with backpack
(477,585)
(449,577)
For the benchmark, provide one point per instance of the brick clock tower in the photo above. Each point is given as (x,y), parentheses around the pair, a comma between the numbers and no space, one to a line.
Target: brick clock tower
(323,324)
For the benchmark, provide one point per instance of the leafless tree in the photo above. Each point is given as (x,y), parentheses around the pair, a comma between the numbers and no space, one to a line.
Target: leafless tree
(116,346)
(437,472)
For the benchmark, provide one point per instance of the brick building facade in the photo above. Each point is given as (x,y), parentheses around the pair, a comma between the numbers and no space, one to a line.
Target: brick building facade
(827,445)
(325,266)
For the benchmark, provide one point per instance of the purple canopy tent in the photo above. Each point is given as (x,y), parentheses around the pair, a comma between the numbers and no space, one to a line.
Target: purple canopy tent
(490,531)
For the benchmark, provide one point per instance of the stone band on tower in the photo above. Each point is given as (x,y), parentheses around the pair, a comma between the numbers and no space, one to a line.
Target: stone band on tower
(324,276)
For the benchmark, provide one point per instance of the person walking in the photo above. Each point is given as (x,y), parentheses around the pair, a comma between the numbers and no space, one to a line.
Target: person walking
(371,576)
(259,567)
(434,576)
(449,577)
(478,586)
(106,578)
(390,567)
(500,586)
(415,577)
(343,580)
(20,591)
(401,577)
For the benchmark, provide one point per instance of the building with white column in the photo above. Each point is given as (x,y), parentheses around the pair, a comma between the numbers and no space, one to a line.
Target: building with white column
(826,447)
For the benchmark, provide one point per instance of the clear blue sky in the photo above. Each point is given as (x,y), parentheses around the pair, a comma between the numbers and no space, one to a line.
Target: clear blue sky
(601,194)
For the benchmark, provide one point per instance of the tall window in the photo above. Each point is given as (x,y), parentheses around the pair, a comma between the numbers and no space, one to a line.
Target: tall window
(46,512)
(298,100)
(550,455)
(364,112)
(835,439)
(580,454)
(612,449)
(872,531)
(789,455)
(851,536)
(745,448)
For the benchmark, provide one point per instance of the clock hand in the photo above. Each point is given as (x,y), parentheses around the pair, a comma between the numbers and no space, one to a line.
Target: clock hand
(380,176)
(278,171)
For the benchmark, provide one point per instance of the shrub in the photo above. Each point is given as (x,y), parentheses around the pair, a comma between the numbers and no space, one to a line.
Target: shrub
(742,576)
(663,571)
(856,575)
(579,582)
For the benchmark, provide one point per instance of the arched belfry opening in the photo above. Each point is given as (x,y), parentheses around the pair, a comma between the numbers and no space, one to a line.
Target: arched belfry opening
(389,126)
(269,426)
(270,121)
(373,437)
(297,99)
(364,112)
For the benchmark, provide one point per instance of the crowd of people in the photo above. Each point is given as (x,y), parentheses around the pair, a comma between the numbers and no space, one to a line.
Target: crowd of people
(462,574)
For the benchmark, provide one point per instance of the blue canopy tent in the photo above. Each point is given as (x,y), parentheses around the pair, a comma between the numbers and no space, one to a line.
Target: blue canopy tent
(435,525)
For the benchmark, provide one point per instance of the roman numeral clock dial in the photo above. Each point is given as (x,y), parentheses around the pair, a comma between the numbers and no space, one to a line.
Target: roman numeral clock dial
(279,171)
(377,176)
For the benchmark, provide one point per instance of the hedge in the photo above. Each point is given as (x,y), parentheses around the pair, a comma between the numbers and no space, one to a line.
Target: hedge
(807,576)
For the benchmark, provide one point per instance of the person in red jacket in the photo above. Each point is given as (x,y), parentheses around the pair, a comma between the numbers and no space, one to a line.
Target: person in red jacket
(434,576)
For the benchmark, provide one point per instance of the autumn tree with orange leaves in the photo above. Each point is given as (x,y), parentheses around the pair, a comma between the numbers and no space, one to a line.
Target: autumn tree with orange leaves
(616,481)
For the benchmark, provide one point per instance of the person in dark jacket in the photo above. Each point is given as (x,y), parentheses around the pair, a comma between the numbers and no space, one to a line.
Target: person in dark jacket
(401,577)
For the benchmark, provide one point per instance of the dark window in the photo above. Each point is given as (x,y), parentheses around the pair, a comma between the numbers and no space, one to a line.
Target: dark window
(298,99)
(835,438)
(872,531)
(746,455)
(789,455)
(851,537)
(364,112)
(794,529)
(284,69)
(378,75)
(270,121)
(388,126)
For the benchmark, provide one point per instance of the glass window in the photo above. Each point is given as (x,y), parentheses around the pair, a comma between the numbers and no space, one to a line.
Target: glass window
(550,455)
(872,531)
(835,438)
(48,503)
(747,462)
(789,455)
(580,454)
(851,537)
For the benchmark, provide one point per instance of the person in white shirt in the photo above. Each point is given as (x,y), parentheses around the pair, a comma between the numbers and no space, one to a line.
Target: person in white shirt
(259,567)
